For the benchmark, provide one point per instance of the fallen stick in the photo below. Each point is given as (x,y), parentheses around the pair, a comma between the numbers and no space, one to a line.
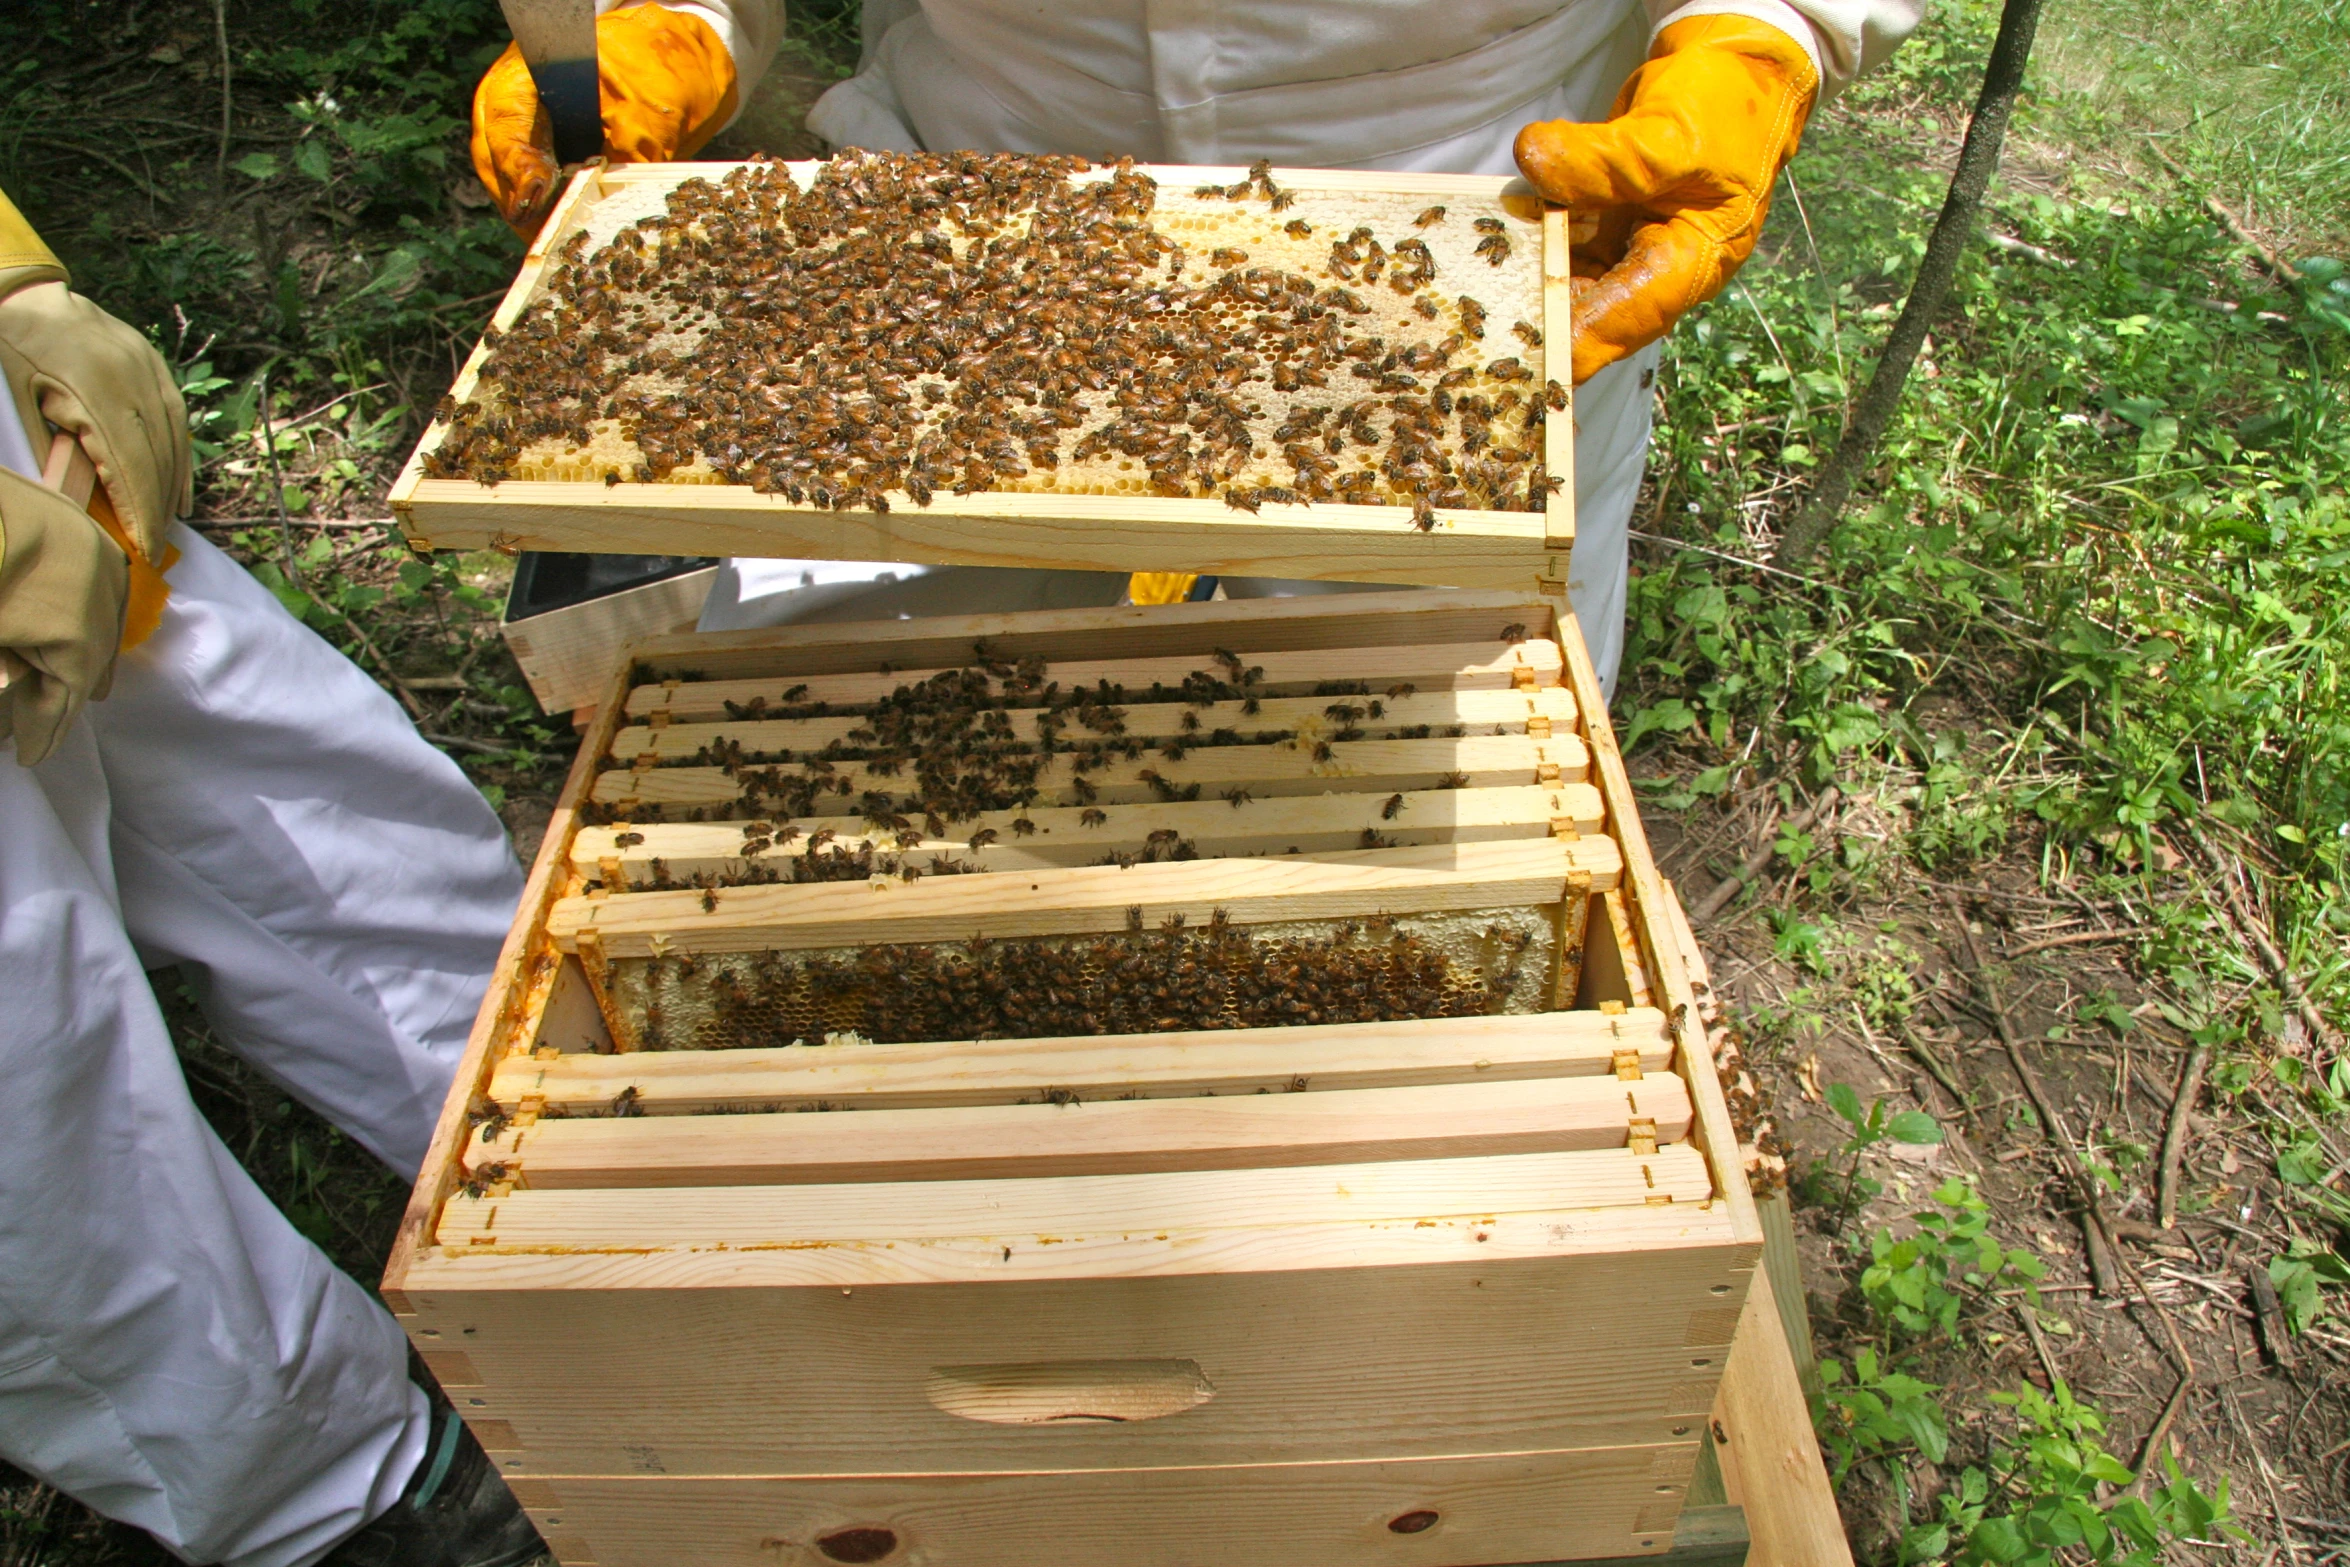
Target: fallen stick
(2082,938)
(2160,1429)
(2268,1315)
(2278,267)
(2174,1135)
(1731,885)
(2030,1318)
(2321,1032)
(2097,1239)
(1934,1066)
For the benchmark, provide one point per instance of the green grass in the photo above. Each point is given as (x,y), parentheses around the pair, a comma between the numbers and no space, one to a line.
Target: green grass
(2250,97)
(2087,610)
(2094,591)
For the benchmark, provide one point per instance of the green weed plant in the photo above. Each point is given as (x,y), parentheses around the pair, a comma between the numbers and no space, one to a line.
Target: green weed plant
(1918,1284)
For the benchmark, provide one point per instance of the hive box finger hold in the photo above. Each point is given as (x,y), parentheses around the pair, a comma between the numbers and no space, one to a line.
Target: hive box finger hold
(1199,1083)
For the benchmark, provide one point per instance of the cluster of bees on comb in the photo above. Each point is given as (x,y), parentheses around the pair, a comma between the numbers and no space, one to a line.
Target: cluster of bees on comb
(1137,981)
(973,740)
(909,323)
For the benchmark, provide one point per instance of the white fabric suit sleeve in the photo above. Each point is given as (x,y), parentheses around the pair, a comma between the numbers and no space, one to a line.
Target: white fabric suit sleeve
(1845,38)
(752,31)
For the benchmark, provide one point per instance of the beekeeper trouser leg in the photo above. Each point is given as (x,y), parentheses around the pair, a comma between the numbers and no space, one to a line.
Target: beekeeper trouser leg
(1613,411)
(334,887)
(172,1351)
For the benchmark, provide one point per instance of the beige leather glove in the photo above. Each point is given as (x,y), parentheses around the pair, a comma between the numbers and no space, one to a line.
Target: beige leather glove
(105,384)
(63,585)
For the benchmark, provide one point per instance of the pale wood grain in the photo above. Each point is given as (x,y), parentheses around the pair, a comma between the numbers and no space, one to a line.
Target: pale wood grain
(1278,767)
(1558,426)
(1305,718)
(1456,1120)
(1493,188)
(1515,1507)
(1065,836)
(517,997)
(1442,1337)
(1599,1232)
(1048,1210)
(1070,900)
(1468,549)
(1253,628)
(1476,666)
(1393,1054)
(1658,952)
(1771,1464)
(1417,1339)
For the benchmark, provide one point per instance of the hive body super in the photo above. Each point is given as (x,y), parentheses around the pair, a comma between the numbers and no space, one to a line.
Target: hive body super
(1443,1288)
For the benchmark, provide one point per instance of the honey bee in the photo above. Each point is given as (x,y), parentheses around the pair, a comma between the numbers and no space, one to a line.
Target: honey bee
(1394,805)
(1527,333)
(1453,781)
(1297,228)
(626,840)
(1515,631)
(1236,797)
(1092,816)
(1022,827)
(1226,256)
(1427,216)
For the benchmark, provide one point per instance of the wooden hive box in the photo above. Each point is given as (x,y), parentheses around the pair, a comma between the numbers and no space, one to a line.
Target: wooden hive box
(1073,516)
(1427,1291)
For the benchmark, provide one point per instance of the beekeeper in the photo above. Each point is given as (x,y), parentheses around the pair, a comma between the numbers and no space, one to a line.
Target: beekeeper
(190,777)
(1702,104)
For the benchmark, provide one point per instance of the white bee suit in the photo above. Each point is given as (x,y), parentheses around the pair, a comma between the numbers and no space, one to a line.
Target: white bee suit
(1421,85)
(246,804)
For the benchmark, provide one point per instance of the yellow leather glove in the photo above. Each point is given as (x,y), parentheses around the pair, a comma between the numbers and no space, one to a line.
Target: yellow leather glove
(104,384)
(667,85)
(63,586)
(1672,189)
(1159,587)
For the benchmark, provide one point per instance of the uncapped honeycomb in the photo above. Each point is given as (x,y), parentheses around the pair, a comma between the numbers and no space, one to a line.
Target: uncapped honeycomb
(895,326)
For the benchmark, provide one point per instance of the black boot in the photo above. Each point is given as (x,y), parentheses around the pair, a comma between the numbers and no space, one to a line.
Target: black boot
(456,1512)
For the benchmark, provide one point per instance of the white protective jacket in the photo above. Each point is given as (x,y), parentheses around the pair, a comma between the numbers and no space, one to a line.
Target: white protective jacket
(1420,85)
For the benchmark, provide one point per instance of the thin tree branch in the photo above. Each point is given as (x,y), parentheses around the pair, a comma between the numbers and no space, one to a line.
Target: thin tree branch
(1978,158)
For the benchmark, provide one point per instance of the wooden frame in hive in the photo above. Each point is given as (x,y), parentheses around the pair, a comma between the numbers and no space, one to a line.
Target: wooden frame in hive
(1464,1295)
(1521,550)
